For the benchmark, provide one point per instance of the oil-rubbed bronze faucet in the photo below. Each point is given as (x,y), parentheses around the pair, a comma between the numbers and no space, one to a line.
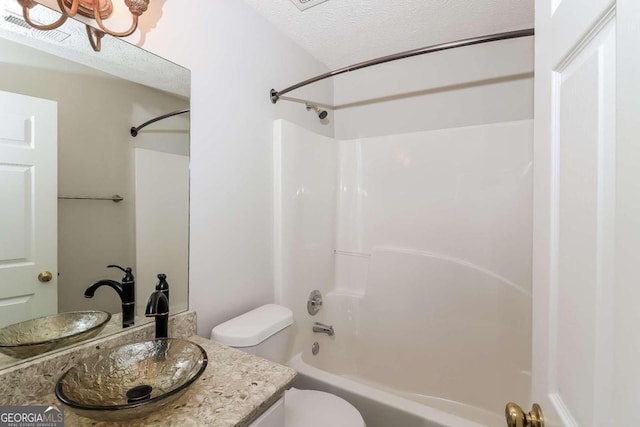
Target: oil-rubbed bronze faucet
(126,291)
(158,307)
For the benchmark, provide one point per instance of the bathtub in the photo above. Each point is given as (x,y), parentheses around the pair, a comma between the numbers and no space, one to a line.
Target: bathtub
(453,354)
(379,408)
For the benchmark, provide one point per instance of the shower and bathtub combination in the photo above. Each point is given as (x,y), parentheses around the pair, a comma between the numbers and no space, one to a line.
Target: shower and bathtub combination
(418,235)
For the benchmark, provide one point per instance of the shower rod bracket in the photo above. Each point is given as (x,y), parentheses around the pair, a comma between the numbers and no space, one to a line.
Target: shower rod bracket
(275,95)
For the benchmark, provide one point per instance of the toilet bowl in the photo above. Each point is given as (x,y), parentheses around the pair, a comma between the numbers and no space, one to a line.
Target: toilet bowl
(311,408)
(265,333)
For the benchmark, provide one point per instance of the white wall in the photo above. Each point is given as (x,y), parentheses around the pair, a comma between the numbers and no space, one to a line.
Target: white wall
(235,57)
(487,83)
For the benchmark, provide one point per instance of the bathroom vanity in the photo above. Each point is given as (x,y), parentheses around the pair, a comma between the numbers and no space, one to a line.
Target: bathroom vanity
(235,389)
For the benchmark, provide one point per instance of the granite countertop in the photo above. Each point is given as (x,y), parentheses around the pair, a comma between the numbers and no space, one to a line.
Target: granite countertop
(234,390)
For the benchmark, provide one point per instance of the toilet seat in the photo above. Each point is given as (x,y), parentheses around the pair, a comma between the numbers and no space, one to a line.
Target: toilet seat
(311,408)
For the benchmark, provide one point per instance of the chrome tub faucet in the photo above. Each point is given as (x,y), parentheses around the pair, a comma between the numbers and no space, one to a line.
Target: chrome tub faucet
(323,329)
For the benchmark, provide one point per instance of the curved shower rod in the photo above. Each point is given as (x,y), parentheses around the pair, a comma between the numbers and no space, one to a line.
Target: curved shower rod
(135,130)
(275,95)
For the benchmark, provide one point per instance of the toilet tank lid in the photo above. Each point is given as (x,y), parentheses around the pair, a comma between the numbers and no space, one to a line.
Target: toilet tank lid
(252,328)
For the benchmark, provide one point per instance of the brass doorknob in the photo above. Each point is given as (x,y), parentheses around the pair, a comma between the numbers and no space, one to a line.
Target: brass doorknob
(45,276)
(517,418)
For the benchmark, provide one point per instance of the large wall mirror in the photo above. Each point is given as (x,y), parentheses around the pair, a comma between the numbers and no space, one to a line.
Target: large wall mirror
(72,109)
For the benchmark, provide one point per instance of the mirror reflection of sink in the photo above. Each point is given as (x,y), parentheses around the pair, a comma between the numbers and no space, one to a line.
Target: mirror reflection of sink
(132,380)
(36,336)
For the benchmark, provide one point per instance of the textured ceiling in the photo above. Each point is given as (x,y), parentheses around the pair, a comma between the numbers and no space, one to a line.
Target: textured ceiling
(342,32)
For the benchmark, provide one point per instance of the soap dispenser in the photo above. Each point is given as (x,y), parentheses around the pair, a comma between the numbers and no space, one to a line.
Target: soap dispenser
(163,286)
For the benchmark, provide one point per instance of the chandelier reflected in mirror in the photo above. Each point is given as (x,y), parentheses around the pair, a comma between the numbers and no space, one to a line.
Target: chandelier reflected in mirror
(94,9)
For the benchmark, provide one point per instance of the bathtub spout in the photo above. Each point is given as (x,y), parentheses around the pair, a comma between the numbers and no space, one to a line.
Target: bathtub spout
(324,329)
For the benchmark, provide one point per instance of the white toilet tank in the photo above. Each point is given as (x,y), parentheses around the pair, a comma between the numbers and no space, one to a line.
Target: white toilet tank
(264,332)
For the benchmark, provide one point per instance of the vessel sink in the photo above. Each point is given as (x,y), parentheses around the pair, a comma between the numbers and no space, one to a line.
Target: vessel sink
(36,336)
(132,380)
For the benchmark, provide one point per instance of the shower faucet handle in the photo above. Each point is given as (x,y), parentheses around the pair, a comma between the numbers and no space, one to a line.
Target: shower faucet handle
(314,303)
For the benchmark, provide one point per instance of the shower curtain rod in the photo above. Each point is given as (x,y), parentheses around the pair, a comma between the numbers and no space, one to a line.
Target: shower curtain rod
(134,130)
(275,95)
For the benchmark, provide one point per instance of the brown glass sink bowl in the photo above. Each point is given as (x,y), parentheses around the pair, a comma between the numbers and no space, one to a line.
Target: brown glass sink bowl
(37,336)
(133,380)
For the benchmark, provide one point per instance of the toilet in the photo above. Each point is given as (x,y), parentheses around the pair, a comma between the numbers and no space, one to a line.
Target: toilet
(265,333)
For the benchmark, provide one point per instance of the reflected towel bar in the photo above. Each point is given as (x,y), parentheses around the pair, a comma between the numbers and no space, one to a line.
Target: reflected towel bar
(135,130)
(115,198)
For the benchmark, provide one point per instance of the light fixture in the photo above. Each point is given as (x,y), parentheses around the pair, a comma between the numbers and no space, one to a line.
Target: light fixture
(94,9)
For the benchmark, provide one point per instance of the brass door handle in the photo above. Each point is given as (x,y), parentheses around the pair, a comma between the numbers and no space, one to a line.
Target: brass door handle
(45,276)
(517,418)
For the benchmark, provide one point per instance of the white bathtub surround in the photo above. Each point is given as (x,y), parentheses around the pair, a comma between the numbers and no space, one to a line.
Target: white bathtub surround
(305,176)
(463,193)
(424,260)
(162,224)
(351,272)
(445,346)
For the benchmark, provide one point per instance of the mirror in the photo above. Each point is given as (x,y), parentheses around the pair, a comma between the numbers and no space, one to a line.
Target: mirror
(56,93)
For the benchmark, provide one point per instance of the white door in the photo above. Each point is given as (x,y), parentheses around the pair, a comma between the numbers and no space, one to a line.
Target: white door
(586,270)
(28,207)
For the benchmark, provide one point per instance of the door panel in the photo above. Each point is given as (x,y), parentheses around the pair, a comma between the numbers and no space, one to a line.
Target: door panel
(626,303)
(586,207)
(584,152)
(28,212)
(15,220)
